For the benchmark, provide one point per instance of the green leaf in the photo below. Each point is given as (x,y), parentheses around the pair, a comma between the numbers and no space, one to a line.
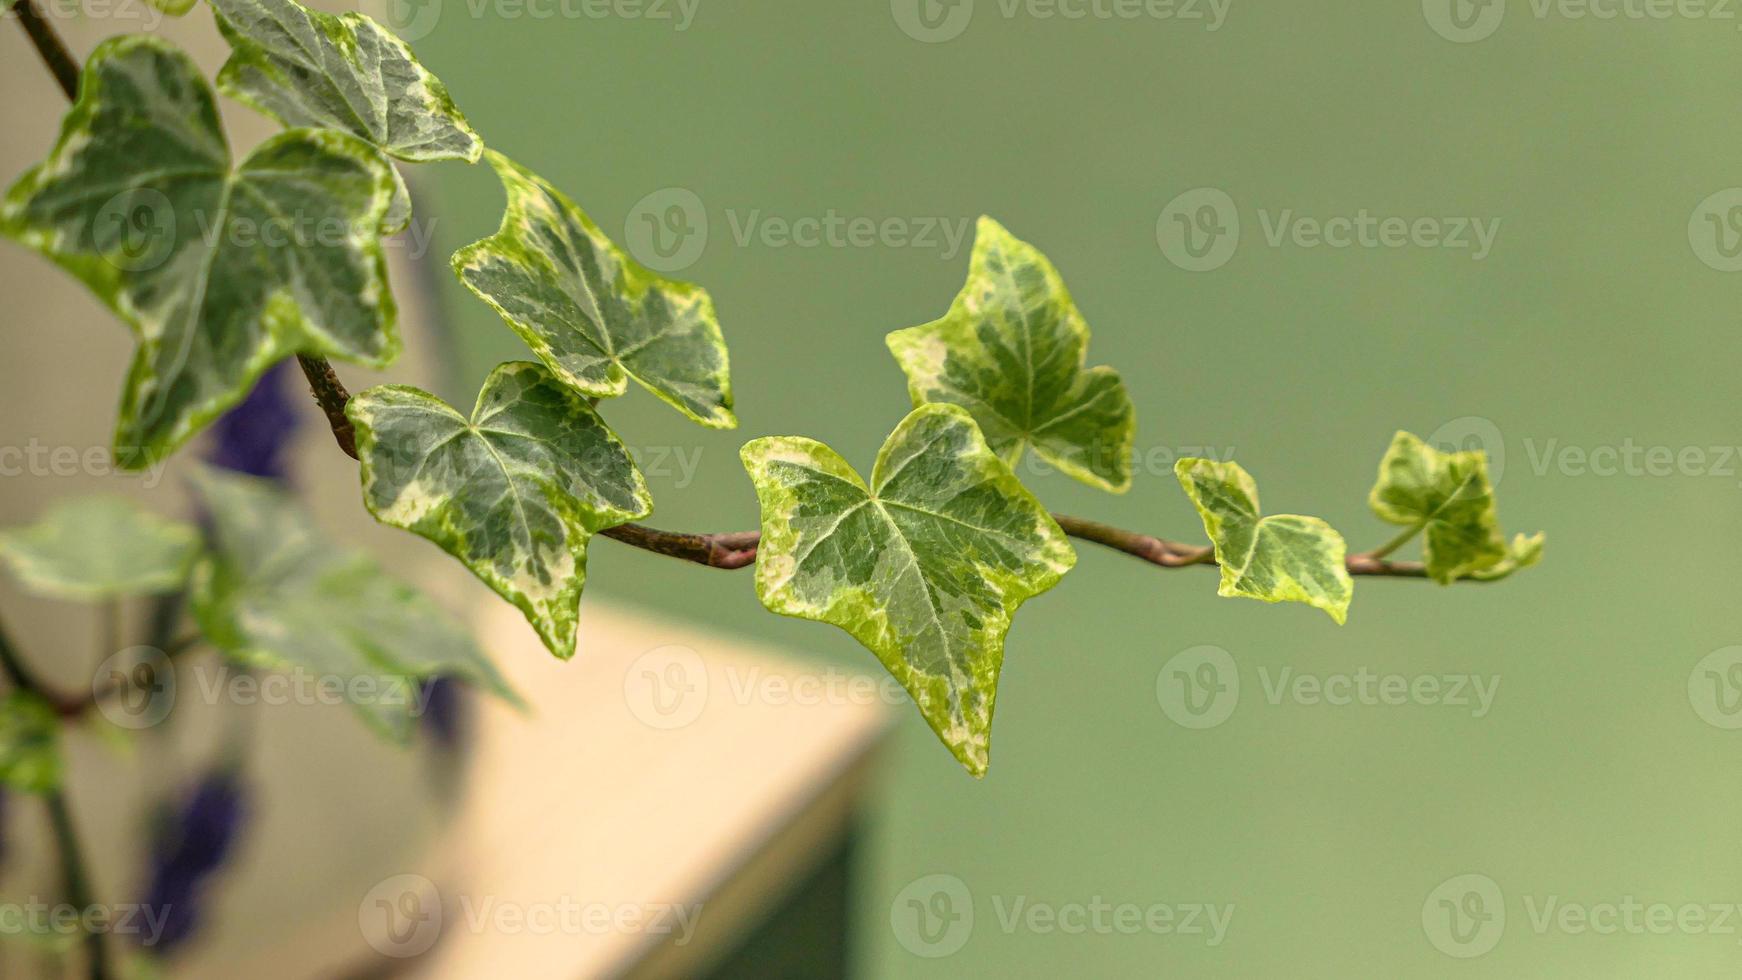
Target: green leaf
(93,548)
(274,594)
(306,68)
(925,566)
(174,8)
(1445,495)
(1526,550)
(514,492)
(219,272)
(29,744)
(1284,558)
(1011,350)
(591,313)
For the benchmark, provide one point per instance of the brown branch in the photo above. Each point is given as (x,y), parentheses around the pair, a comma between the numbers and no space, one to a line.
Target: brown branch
(331,396)
(48,46)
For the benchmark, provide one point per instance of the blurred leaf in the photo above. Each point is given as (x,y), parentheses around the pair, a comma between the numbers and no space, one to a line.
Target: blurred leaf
(1012,351)
(592,314)
(94,548)
(925,567)
(174,8)
(29,744)
(276,595)
(219,272)
(1446,496)
(1524,552)
(1284,558)
(514,492)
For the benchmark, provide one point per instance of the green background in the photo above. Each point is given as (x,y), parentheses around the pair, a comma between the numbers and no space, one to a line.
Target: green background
(1592,323)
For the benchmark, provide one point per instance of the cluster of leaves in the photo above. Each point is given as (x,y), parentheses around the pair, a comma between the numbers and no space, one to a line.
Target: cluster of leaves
(925,563)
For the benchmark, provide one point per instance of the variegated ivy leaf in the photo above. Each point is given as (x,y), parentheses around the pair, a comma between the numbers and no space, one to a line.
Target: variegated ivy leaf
(1283,558)
(306,68)
(29,744)
(91,548)
(513,492)
(220,272)
(1447,497)
(1011,350)
(1526,550)
(589,311)
(276,595)
(925,566)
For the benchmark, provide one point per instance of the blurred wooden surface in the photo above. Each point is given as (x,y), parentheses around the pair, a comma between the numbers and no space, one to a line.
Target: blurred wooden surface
(661,769)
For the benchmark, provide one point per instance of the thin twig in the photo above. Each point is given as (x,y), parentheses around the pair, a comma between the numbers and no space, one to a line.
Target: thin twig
(48,46)
(331,396)
(75,881)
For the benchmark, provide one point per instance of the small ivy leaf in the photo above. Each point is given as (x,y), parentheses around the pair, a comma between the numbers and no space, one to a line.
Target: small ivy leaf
(94,548)
(925,566)
(1284,558)
(1526,550)
(219,272)
(274,594)
(1012,351)
(514,492)
(174,8)
(30,759)
(306,68)
(591,313)
(1448,497)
